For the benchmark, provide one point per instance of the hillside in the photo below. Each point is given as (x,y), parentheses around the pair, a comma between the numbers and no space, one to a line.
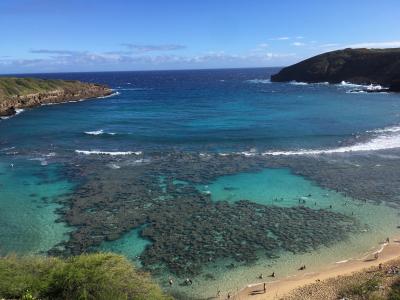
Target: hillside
(18,93)
(361,66)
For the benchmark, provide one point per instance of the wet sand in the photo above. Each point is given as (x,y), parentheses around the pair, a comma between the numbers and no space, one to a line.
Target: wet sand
(282,287)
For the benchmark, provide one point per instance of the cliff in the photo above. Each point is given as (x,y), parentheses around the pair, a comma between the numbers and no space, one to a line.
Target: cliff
(361,66)
(17,93)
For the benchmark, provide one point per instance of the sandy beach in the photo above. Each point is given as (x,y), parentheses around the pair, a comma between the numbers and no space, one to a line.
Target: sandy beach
(281,288)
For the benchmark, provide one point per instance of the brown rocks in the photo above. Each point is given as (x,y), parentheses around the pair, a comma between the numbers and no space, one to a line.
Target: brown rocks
(36,92)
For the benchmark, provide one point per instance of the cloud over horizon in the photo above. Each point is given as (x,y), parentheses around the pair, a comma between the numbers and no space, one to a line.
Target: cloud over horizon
(162,56)
(153,48)
(140,57)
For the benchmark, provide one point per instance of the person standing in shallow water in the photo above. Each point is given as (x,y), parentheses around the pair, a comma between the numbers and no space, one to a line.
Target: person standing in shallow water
(265,287)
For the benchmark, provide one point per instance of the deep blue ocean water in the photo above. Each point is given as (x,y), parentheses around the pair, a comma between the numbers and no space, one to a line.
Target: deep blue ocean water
(206,110)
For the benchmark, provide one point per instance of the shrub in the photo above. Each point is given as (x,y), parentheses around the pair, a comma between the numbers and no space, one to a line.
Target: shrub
(394,293)
(363,290)
(86,277)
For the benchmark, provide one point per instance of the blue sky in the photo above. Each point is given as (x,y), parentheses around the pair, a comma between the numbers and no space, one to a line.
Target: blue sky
(79,35)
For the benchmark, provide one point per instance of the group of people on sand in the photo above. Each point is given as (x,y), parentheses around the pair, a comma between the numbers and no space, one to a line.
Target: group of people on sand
(188,281)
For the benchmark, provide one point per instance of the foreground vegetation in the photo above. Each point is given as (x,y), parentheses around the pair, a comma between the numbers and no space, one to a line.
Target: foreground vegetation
(88,276)
(375,283)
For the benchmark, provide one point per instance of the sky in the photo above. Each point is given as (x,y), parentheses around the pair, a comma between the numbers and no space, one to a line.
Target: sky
(120,35)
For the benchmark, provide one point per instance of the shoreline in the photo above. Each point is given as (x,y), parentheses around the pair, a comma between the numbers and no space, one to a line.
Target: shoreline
(280,288)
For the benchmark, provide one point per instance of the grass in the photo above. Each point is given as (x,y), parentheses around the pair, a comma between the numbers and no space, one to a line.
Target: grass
(12,86)
(84,277)
(364,290)
(394,293)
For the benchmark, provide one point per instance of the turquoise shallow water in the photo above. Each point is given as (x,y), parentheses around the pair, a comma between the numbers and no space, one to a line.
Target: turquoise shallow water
(27,211)
(283,188)
(131,245)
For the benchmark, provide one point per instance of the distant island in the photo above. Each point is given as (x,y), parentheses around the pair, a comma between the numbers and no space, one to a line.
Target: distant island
(359,66)
(19,93)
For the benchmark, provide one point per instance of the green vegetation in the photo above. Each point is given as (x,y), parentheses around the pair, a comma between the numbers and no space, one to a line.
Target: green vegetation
(87,276)
(363,290)
(394,293)
(11,86)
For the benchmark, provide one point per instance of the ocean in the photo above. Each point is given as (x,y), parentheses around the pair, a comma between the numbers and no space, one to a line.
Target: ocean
(213,175)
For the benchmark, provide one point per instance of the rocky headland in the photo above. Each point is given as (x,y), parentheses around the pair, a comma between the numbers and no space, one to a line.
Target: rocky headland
(19,93)
(359,66)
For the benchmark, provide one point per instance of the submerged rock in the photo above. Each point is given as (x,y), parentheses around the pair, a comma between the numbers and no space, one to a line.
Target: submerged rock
(186,228)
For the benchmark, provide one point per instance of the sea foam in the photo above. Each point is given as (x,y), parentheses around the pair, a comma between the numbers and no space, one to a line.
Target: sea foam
(99,132)
(294,82)
(17,112)
(112,153)
(108,96)
(257,80)
(387,139)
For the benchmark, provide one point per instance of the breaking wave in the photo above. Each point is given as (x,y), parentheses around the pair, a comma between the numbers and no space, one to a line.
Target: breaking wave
(387,138)
(294,82)
(17,112)
(257,80)
(108,96)
(112,153)
(99,132)
(361,88)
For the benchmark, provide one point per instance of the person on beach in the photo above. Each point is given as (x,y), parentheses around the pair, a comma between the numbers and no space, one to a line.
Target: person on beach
(273,274)
(376,255)
(229,296)
(261,276)
(265,287)
(387,240)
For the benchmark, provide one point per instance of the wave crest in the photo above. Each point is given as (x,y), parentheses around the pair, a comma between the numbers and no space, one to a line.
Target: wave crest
(258,81)
(99,132)
(112,153)
(387,139)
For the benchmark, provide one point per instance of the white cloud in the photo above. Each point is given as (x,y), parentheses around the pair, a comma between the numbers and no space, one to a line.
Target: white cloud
(151,48)
(391,44)
(281,38)
(298,44)
(66,60)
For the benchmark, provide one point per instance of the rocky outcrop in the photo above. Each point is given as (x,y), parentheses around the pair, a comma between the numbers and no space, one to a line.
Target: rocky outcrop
(360,66)
(24,93)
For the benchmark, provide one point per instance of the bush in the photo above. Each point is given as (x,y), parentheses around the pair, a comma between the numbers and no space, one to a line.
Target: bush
(394,293)
(86,277)
(364,290)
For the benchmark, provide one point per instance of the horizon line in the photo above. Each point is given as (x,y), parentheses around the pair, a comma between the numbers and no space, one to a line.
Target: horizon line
(127,71)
